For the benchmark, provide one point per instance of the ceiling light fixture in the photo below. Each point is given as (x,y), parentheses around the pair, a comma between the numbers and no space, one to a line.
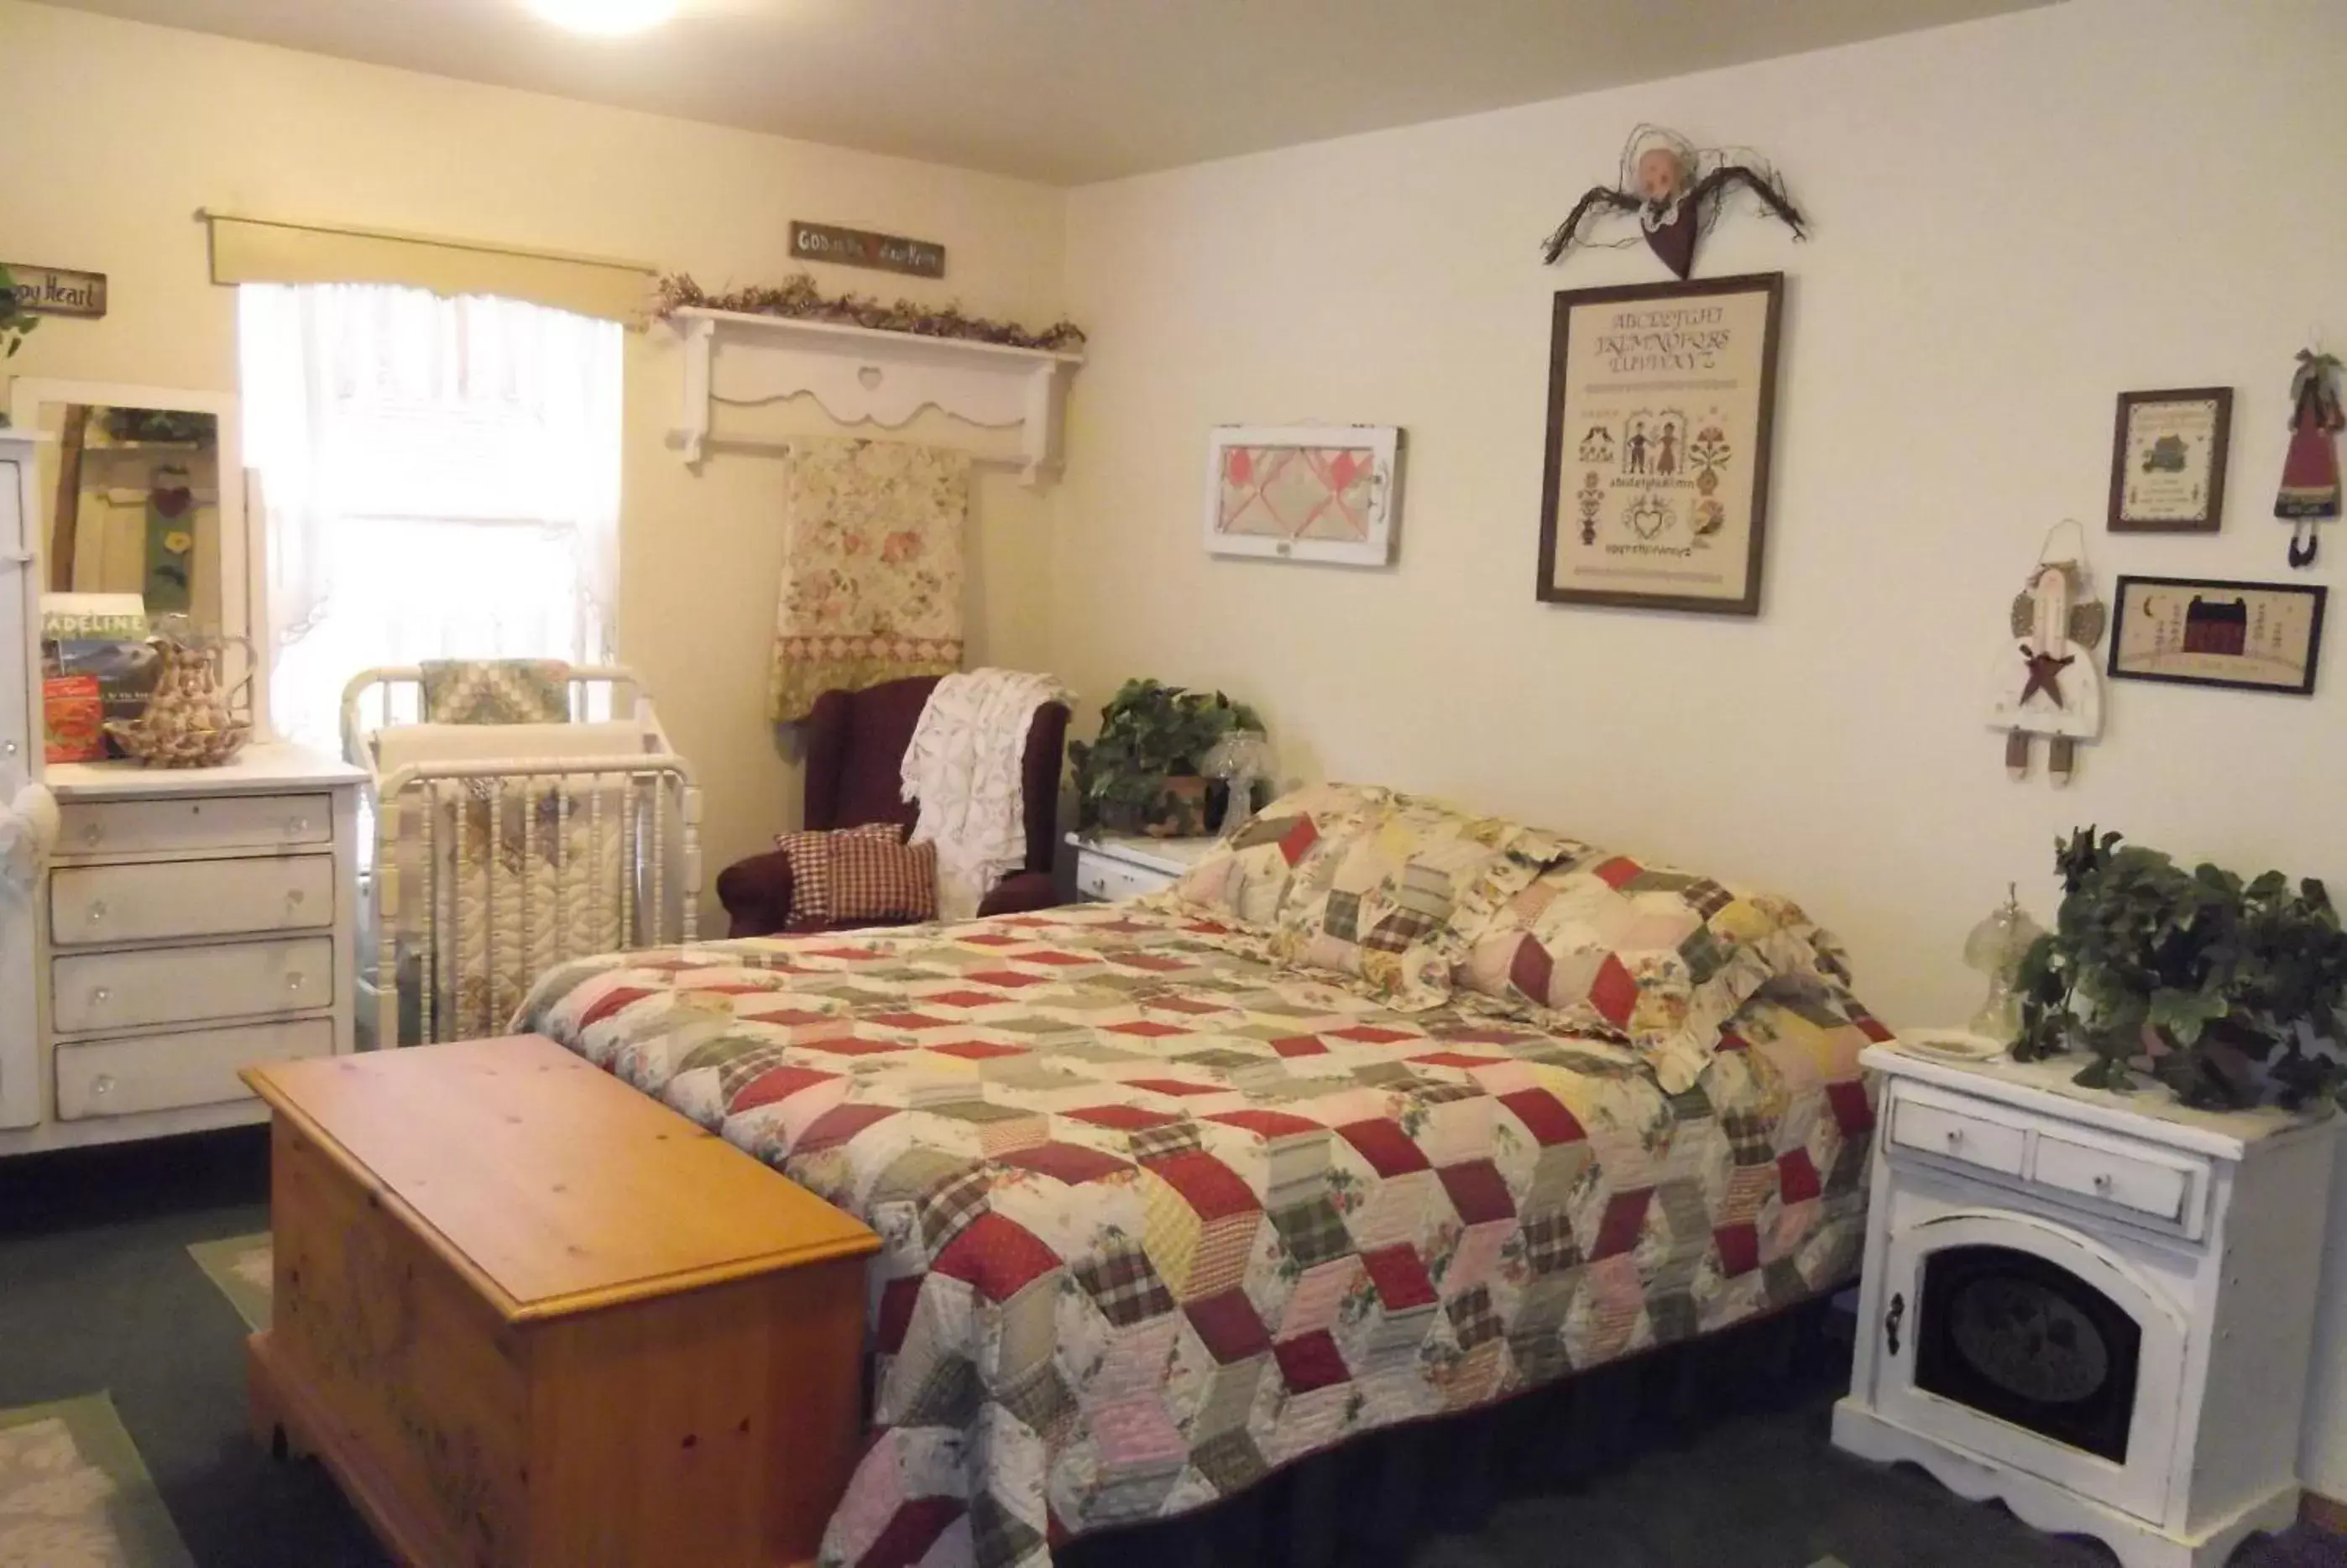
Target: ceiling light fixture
(606,19)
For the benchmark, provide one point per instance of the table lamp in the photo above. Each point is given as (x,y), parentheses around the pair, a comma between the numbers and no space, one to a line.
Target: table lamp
(1238,759)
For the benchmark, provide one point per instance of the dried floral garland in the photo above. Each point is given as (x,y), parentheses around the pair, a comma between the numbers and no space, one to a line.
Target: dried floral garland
(798,297)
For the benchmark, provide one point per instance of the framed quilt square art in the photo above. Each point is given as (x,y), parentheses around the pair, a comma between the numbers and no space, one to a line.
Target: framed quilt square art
(1661,397)
(1304,492)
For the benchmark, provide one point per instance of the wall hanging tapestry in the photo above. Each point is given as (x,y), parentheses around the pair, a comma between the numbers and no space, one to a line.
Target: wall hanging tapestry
(1304,492)
(2045,682)
(2309,471)
(1677,191)
(1661,397)
(2167,461)
(2195,632)
(872,568)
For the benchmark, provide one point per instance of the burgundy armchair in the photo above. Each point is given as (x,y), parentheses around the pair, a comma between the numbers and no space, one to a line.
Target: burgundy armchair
(855,745)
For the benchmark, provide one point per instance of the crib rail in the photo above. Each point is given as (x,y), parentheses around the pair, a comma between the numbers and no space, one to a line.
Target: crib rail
(489,872)
(376,700)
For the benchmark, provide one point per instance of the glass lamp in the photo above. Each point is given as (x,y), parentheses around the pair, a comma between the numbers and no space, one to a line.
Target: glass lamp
(1238,759)
(1995,949)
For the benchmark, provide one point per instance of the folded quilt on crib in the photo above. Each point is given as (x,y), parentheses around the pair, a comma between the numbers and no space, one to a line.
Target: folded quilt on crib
(1159,1216)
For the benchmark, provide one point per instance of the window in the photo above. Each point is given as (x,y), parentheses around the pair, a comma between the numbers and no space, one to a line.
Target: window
(440,478)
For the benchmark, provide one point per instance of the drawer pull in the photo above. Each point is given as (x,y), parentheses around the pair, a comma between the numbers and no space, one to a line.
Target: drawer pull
(102,1085)
(293,896)
(97,913)
(296,827)
(100,996)
(92,835)
(2103,1182)
(7,748)
(1955,1137)
(293,983)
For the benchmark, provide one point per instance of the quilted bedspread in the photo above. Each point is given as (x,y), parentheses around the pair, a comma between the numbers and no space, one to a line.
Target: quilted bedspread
(1158,1218)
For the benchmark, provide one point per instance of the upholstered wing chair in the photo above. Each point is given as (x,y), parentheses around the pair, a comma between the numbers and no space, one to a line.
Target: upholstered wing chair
(855,745)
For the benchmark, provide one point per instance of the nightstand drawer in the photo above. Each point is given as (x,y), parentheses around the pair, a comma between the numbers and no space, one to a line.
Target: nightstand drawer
(2132,1180)
(100,992)
(1098,876)
(169,1071)
(1929,1127)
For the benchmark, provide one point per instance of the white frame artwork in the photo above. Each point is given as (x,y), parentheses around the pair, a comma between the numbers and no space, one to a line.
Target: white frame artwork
(1380,444)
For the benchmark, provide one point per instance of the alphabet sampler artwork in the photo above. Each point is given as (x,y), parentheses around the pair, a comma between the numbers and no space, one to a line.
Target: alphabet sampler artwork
(1661,399)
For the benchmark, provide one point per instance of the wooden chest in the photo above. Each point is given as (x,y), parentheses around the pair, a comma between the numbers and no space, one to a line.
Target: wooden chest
(527,1315)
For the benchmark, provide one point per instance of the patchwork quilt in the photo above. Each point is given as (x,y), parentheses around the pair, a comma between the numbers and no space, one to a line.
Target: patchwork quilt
(1158,1218)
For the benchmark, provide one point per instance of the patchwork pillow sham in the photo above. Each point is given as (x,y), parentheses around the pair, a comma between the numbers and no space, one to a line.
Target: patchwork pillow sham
(1364,882)
(809,853)
(1607,944)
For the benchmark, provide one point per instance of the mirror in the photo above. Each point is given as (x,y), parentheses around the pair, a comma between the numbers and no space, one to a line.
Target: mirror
(141,492)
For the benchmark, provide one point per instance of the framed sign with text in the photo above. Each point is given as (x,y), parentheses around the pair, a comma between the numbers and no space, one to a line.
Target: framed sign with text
(58,290)
(862,248)
(1661,398)
(2167,461)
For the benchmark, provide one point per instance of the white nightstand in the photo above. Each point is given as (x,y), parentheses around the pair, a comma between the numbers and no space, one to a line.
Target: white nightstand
(2095,1307)
(1118,866)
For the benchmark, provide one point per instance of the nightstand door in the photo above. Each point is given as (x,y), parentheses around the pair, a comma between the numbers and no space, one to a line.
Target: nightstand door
(20,1086)
(2030,1344)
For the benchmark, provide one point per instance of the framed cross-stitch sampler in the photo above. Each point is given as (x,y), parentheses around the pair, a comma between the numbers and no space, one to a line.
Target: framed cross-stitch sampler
(1661,399)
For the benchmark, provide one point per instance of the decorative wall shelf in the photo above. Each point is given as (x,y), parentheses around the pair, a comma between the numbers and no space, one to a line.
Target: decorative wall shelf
(859,375)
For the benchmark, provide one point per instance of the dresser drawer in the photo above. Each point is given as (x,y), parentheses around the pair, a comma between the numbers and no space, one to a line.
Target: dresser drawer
(171,1072)
(159,900)
(94,991)
(179,825)
(1929,1127)
(1101,877)
(2159,1188)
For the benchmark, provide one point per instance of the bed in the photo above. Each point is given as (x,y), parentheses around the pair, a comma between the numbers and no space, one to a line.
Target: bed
(1160,1217)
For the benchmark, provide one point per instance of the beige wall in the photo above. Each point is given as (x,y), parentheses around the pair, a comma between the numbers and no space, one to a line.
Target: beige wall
(2015,221)
(116,133)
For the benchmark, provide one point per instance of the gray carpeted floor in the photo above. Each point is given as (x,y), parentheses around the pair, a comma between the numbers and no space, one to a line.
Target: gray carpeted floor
(98,1292)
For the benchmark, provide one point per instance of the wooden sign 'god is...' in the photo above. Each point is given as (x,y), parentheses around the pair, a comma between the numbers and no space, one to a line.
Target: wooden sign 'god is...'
(861,248)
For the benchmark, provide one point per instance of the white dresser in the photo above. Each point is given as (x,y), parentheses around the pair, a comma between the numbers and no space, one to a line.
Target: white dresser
(1117,866)
(2097,1308)
(193,922)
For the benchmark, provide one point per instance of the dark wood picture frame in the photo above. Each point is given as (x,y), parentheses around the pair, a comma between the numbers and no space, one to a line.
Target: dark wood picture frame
(1568,300)
(2214,521)
(2122,598)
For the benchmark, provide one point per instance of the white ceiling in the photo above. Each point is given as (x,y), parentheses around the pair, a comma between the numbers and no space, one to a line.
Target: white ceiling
(1069,90)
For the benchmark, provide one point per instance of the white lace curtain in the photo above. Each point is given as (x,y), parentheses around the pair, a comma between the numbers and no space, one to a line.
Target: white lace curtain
(440,478)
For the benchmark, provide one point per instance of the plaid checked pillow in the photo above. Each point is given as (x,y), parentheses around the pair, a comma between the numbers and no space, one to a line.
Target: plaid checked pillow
(880,879)
(1607,945)
(812,906)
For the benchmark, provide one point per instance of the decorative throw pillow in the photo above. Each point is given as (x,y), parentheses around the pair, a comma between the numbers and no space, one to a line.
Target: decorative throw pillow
(1365,882)
(809,855)
(876,879)
(1662,959)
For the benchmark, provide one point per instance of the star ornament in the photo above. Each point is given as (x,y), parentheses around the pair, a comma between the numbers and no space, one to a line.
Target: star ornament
(2044,674)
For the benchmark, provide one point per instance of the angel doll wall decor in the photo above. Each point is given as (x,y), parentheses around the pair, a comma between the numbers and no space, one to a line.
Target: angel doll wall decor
(2310,470)
(2045,682)
(1677,190)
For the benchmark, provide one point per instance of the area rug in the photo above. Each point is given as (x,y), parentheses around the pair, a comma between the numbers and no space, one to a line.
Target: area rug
(242,1265)
(74,1493)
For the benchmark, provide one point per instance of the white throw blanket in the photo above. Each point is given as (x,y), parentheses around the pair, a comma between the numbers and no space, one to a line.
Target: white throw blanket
(964,768)
(28,826)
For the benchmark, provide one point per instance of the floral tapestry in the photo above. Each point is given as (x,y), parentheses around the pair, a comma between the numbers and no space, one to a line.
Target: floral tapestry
(872,571)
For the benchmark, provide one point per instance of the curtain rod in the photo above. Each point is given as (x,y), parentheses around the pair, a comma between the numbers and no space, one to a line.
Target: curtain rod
(206,215)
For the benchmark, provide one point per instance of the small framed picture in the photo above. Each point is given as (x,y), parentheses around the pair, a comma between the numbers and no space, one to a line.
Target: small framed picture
(2167,461)
(2197,631)
(1304,492)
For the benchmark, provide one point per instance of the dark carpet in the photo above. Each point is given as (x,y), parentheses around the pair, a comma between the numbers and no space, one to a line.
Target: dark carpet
(98,1292)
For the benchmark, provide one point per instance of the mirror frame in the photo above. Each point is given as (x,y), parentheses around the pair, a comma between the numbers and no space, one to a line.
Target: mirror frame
(243,594)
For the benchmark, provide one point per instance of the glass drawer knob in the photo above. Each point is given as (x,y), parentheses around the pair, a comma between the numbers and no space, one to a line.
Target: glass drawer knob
(298,824)
(7,748)
(92,834)
(1956,1136)
(100,996)
(293,896)
(2103,1182)
(292,982)
(102,1085)
(97,913)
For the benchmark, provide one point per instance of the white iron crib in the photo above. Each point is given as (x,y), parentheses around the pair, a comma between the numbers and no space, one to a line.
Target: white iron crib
(501,851)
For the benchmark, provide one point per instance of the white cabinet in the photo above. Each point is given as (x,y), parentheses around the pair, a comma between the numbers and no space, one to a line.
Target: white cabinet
(20,1086)
(1113,866)
(194,921)
(2096,1309)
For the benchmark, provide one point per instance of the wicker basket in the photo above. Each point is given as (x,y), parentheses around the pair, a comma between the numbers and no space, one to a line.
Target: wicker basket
(193,720)
(180,748)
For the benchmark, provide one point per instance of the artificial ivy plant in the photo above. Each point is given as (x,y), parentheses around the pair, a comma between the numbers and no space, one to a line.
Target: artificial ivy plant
(2225,989)
(1141,772)
(17,322)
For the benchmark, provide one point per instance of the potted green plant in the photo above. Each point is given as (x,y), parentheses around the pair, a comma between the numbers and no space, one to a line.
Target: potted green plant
(17,322)
(2223,989)
(1140,775)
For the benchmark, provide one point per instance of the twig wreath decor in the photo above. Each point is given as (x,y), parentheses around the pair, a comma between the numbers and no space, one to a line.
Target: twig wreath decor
(798,297)
(1677,189)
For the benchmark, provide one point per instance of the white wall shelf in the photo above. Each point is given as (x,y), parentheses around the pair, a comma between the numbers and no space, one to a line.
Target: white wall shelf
(861,375)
